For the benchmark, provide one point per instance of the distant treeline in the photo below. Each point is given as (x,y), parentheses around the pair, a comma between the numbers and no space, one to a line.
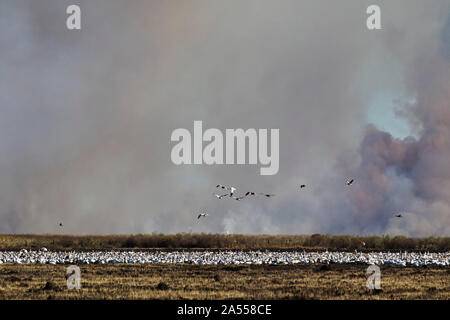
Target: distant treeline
(222,241)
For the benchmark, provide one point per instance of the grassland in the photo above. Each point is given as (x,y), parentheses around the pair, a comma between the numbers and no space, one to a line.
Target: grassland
(221,241)
(184,281)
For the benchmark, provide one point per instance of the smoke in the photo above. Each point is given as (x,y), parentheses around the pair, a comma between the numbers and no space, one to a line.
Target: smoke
(86,116)
(410,176)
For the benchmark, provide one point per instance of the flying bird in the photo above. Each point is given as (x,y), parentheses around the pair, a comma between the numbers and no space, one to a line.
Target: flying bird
(267,195)
(302,186)
(220,196)
(60,224)
(202,214)
(251,193)
(349,182)
(231,189)
(398,215)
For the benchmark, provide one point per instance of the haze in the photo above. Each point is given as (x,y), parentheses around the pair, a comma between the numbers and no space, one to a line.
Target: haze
(86,116)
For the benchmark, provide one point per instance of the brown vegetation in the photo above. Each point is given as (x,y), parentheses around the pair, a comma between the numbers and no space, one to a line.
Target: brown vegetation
(221,241)
(183,281)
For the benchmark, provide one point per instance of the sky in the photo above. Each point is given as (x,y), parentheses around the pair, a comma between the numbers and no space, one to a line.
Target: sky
(86,115)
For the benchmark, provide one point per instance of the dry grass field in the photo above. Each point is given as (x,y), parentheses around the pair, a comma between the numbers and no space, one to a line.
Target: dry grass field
(185,281)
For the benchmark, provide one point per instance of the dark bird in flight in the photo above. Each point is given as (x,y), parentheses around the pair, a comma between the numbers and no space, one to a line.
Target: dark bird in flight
(302,186)
(267,195)
(251,193)
(398,215)
(349,182)
(202,214)
(231,189)
(60,224)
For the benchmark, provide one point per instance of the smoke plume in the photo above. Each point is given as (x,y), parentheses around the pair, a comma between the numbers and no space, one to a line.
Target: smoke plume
(86,115)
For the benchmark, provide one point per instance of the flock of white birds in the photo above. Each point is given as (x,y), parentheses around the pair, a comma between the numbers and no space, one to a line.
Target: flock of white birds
(231,194)
(231,191)
(45,256)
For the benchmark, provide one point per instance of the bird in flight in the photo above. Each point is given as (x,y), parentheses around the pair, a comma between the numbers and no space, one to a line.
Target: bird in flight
(267,195)
(60,224)
(231,189)
(251,193)
(349,182)
(302,186)
(398,215)
(220,196)
(202,214)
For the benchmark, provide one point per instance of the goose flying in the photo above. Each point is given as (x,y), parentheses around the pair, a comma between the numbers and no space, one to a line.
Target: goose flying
(251,193)
(202,214)
(220,196)
(230,189)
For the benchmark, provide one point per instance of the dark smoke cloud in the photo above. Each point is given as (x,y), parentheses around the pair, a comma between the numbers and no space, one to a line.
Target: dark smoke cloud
(86,116)
(412,175)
